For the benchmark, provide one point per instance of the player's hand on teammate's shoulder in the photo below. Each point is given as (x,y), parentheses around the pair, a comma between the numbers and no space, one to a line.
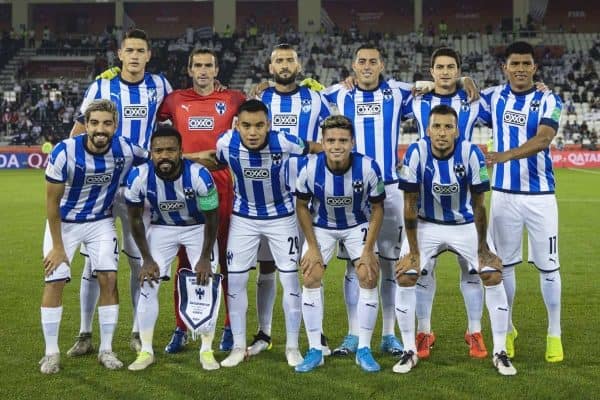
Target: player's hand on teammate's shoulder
(541,87)
(350,82)
(203,271)
(219,87)
(149,272)
(471,88)
(410,261)
(55,257)
(257,89)
(109,73)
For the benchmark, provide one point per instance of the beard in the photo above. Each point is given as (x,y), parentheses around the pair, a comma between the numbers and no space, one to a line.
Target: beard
(285,81)
(166,167)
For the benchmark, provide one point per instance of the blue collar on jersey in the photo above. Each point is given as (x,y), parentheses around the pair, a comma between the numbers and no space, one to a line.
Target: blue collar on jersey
(381,80)
(132,83)
(293,92)
(523,93)
(449,156)
(339,172)
(445,96)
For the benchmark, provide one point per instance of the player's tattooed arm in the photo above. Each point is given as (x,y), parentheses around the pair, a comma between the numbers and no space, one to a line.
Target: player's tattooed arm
(410,220)
(486,257)
(57,255)
(149,271)
(203,268)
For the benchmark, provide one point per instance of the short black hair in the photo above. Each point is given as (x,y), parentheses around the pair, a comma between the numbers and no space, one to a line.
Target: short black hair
(448,52)
(368,46)
(203,50)
(443,109)
(136,34)
(252,106)
(166,131)
(339,122)
(519,48)
(283,46)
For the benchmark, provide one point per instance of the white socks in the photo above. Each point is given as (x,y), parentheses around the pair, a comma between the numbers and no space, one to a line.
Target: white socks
(495,300)
(51,317)
(550,284)
(368,306)
(388,295)
(147,314)
(89,293)
(424,292)
(238,306)
(134,285)
(107,317)
(312,312)
(351,297)
(291,298)
(510,286)
(472,291)
(406,299)
(266,291)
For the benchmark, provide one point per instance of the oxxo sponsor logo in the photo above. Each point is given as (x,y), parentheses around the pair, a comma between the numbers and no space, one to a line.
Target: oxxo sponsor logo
(285,120)
(445,189)
(339,201)
(368,108)
(98,179)
(135,112)
(201,123)
(257,173)
(173,205)
(514,118)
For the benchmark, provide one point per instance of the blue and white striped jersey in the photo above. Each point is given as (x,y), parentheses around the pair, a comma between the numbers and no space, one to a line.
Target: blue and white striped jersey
(91,180)
(298,113)
(340,200)
(173,202)
(516,118)
(260,189)
(376,116)
(137,104)
(469,114)
(444,185)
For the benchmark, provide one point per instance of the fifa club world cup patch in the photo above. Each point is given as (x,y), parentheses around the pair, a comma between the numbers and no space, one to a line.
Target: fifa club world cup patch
(198,305)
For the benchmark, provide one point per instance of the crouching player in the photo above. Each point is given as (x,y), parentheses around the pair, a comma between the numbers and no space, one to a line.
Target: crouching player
(342,186)
(446,180)
(184,204)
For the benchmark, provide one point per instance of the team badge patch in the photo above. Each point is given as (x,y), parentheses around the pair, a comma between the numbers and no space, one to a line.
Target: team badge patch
(119,162)
(306,105)
(357,186)
(464,105)
(220,107)
(276,158)
(189,193)
(387,94)
(460,170)
(198,305)
(152,96)
(535,105)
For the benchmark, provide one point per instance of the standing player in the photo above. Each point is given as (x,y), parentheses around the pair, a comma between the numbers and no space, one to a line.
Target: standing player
(375,108)
(138,95)
(83,176)
(263,208)
(184,204)
(200,114)
(295,110)
(524,123)
(347,192)
(444,181)
(445,70)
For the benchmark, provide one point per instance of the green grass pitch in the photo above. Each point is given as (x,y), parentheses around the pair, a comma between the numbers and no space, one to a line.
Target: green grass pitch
(449,373)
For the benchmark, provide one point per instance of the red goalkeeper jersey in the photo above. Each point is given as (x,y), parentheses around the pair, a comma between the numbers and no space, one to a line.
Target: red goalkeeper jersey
(200,119)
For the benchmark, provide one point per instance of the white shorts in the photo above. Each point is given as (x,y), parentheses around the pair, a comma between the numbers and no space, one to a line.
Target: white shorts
(119,210)
(390,237)
(509,213)
(264,251)
(164,242)
(245,234)
(435,238)
(100,239)
(352,240)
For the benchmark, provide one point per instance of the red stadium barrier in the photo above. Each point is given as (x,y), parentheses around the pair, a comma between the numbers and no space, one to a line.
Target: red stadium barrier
(576,159)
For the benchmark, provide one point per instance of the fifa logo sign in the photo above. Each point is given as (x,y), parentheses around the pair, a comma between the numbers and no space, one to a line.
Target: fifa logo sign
(135,112)
(366,109)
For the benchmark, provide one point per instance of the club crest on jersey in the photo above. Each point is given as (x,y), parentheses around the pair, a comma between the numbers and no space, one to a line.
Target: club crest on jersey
(306,105)
(276,158)
(152,96)
(119,162)
(357,186)
(229,257)
(189,193)
(220,107)
(464,105)
(387,94)
(534,105)
(460,170)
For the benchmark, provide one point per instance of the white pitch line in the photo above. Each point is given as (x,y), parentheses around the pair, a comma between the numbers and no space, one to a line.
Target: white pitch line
(589,171)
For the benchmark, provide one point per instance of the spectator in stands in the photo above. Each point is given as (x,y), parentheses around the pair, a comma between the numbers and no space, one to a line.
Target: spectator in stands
(560,144)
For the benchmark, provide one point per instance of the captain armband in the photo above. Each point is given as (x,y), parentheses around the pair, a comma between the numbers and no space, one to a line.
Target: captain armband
(208,202)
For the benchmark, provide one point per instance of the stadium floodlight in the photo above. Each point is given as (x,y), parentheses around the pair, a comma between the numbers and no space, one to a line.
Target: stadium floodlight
(10,96)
